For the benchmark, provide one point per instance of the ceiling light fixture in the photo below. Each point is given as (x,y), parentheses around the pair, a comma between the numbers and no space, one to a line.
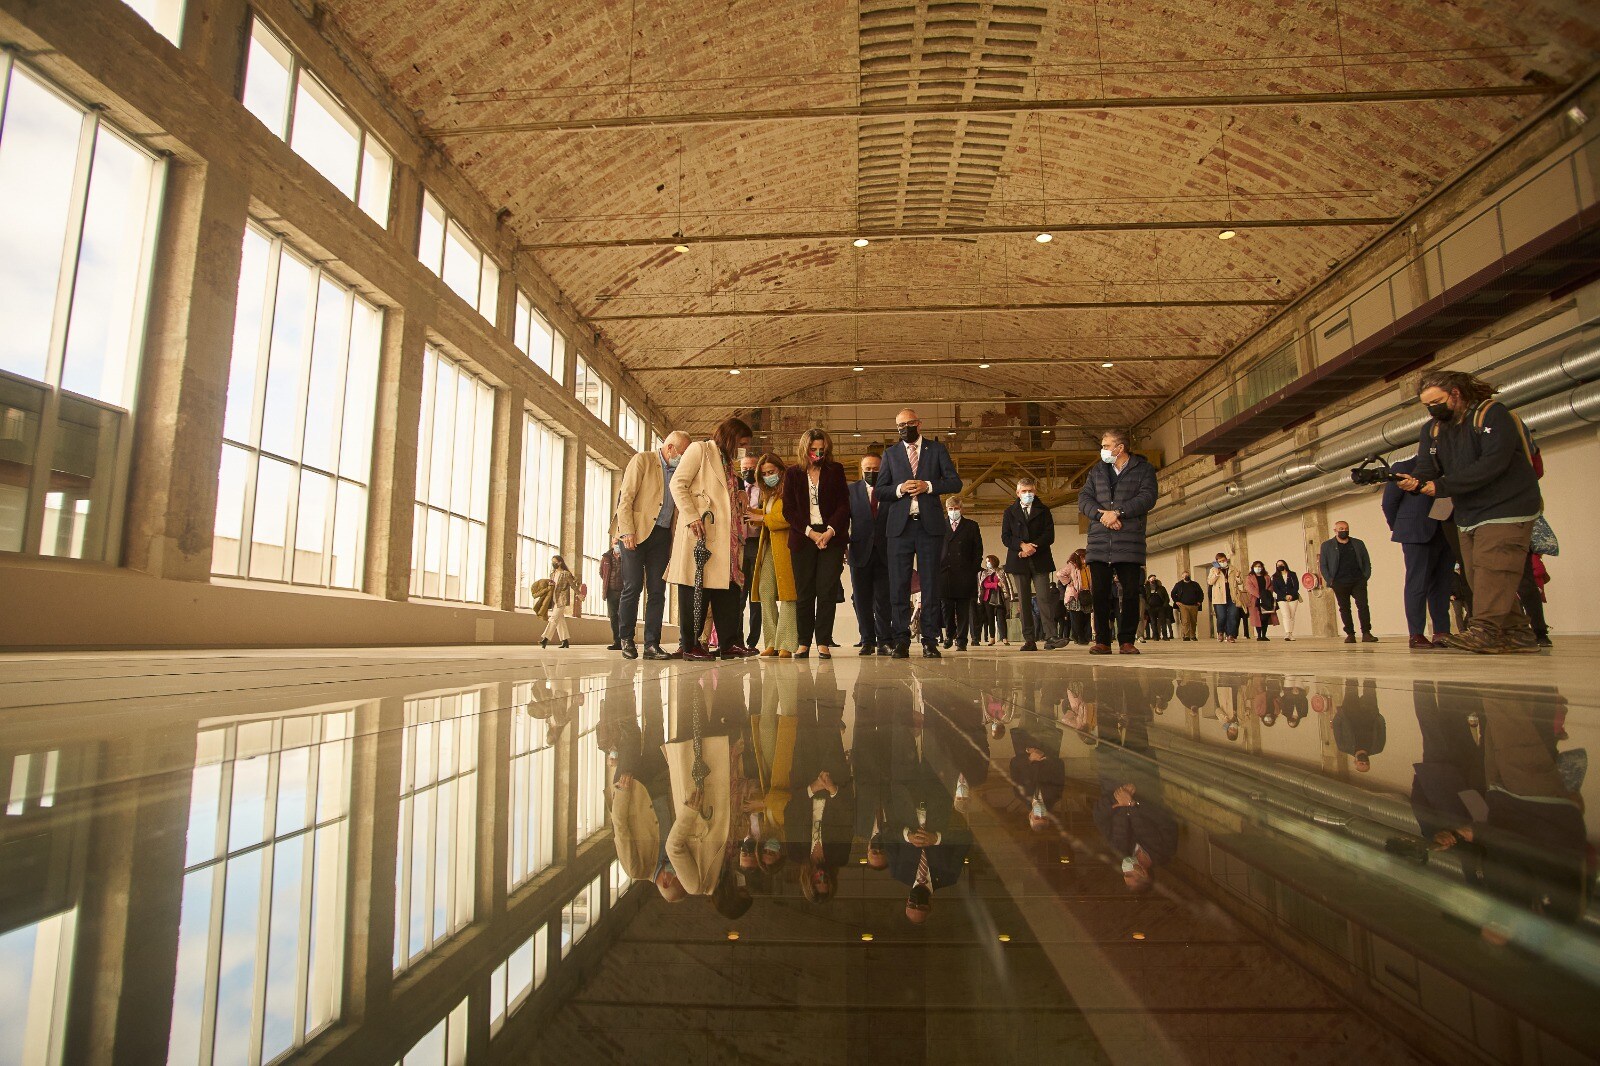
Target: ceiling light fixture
(1044,238)
(1138,936)
(866,937)
(1107,366)
(860,242)
(1577,115)
(680,248)
(1005,938)
(734,372)
(733,936)
(1045,431)
(1227,235)
(983,366)
(858,369)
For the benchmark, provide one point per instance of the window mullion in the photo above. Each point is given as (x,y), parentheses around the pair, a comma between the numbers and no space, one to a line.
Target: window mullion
(258,988)
(342,383)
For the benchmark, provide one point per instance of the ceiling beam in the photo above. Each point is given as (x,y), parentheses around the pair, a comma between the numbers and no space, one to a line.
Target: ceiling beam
(1057,228)
(989,107)
(931,309)
(975,362)
(757,405)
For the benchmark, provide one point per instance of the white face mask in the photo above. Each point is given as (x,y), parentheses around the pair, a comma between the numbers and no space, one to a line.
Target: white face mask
(955,518)
(1106,456)
(1027,499)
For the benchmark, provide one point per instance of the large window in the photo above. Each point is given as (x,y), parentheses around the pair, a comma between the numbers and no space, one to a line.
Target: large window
(544,456)
(444,248)
(630,427)
(36,959)
(592,390)
(580,915)
(589,816)
(295,105)
(444,1045)
(297,430)
(597,510)
(438,823)
(452,509)
(532,824)
(165,15)
(262,922)
(76,241)
(538,340)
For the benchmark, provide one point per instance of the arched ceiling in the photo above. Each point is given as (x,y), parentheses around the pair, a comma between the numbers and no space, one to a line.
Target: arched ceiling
(765,134)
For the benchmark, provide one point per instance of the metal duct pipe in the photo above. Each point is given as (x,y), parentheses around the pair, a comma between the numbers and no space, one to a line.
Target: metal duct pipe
(1574,363)
(1554,414)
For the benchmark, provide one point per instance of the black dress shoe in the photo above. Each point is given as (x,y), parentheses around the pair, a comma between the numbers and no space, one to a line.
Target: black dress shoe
(652,652)
(931,651)
(613,647)
(629,650)
(884,649)
(868,649)
(961,646)
(1052,645)
(1028,645)
(901,651)
(699,655)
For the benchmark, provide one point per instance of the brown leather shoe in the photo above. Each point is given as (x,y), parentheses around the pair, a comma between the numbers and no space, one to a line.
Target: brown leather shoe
(1421,642)
(1100,649)
(1128,649)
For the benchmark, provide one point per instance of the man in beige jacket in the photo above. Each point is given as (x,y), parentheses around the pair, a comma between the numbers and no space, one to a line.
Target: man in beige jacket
(644,521)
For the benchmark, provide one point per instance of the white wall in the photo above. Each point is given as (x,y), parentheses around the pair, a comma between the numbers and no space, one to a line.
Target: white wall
(1572,506)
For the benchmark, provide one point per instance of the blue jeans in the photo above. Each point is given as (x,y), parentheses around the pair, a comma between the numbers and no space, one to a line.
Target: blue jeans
(1228,617)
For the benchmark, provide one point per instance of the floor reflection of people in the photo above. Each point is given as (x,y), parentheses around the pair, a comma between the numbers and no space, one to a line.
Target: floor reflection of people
(1528,843)
(1359,729)
(1038,773)
(1130,816)
(870,750)
(928,839)
(641,805)
(697,843)
(819,818)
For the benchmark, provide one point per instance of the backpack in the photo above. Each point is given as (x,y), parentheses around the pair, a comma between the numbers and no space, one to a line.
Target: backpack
(1480,414)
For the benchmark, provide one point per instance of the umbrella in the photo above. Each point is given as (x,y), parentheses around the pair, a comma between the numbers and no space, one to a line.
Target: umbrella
(702,552)
(699,770)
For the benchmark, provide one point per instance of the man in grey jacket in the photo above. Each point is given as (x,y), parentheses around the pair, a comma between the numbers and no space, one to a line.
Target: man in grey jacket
(1346,568)
(1117,495)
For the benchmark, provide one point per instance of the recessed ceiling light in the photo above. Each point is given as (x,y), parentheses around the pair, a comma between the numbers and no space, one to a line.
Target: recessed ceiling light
(860,242)
(1005,938)
(866,937)
(1107,366)
(680,248)
(1044,431)
(983,366)
(734,371)
(858,369)
(1226,235)
(863,861)
(733,936)
(1044,238)
(1138,936)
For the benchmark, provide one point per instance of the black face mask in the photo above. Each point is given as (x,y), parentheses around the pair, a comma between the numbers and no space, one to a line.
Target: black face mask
(749,477)
(909,434)
(870,477)
(1440,411)
(1343,536)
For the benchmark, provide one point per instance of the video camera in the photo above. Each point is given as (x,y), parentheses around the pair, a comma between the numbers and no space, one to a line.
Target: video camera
(1374,470)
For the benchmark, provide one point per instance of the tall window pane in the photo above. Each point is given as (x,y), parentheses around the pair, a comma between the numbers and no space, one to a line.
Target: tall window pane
(261,927)
(590,813)
(165,15)
(597,509)
(292,490)
(533,795)
(436,860)
(544,456)
(630,427)
(76,240)
(452,508)
(592,390)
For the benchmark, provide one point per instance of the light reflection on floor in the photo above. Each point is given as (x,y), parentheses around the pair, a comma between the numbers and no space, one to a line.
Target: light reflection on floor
(426,857)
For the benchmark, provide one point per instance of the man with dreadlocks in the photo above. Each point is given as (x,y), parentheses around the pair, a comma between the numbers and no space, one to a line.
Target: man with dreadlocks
(1479,455)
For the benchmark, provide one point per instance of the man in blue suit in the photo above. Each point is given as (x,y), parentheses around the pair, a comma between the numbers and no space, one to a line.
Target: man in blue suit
(1430,559)
(916,474)
(869,560)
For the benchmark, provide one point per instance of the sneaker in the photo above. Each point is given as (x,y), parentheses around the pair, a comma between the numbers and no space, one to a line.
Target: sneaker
(1480,639)
(1129,649)
(1441,641)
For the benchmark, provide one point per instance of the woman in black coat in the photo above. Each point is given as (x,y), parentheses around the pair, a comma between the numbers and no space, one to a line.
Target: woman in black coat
(1286,591)
(816,502)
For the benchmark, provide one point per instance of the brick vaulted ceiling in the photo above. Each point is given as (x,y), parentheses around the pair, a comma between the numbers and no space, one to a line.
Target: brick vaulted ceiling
(765,134)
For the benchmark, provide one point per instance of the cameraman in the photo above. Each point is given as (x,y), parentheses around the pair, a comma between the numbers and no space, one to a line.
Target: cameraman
(1475,451)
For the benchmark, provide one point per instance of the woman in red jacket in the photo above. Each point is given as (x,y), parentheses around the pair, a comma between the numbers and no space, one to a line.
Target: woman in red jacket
(816,500)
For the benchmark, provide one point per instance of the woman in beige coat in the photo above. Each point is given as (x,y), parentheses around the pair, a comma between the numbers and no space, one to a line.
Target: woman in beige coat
(563,594)
(709,503)
(1226,592)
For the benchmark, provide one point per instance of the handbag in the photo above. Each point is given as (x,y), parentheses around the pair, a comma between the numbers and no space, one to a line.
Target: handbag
(1543,539)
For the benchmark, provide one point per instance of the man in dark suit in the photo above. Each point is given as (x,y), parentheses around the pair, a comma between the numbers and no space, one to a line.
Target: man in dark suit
(1430,561)
(1028,529)
(819,819)
(917,473)
(958,576)
(868,554)
(927,839)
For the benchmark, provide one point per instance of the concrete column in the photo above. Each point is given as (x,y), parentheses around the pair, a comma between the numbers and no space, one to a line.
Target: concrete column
(126,954)
(375,775)
(494,806)
(214,36)
(1322,608)
(505,496)
(172,491)
(565,824)
(394,456)
(576,462)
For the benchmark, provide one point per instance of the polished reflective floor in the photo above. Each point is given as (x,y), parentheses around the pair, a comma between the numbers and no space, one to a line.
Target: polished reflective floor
(1289,853)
